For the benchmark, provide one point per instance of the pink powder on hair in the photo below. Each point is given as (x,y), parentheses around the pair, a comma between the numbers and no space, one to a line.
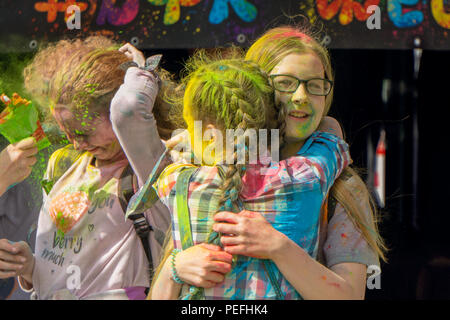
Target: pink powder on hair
(297,34)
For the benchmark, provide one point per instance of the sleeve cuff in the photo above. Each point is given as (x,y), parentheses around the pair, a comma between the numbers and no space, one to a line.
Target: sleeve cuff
(25,285)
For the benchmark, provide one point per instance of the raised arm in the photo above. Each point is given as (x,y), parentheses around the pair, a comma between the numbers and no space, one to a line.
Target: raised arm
(133,121)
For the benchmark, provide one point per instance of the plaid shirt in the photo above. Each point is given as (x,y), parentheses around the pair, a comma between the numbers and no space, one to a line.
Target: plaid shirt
(289,195)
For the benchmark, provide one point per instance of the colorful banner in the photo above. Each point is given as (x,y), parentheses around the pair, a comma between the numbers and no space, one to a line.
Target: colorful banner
(381,24)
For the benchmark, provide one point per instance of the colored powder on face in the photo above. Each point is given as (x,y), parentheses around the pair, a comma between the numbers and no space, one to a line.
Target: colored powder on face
(337,285)
(323,278)
(343,235)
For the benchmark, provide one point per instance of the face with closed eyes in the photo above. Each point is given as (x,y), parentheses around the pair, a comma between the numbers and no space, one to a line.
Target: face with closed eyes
(89,132)
(304,111)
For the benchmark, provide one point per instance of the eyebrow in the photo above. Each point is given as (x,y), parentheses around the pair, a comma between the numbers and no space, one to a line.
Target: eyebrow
(303,77)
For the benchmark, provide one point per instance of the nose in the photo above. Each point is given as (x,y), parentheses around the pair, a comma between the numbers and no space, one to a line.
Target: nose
(300,96)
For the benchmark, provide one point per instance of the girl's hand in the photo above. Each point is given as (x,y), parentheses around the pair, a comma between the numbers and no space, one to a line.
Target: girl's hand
(203,265)
(249,234)
(177,145)
(16,259)
(16,162)
(133,53)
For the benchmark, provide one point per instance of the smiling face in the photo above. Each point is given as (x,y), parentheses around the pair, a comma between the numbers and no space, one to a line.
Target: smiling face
(303,110)
(92,133)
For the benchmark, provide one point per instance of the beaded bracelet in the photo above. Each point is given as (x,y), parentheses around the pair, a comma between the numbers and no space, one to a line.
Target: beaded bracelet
(174,271)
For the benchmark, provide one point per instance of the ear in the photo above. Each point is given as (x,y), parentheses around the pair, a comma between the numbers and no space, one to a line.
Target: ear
(211,133)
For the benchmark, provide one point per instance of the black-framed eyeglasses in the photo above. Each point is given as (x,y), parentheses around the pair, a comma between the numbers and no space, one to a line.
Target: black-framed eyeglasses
(289,84)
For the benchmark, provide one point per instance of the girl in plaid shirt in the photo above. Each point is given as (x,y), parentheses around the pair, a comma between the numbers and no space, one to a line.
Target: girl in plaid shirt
(232,94)
(349,238)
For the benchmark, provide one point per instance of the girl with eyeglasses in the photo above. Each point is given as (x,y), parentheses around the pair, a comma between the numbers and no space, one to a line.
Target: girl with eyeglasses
(301,74)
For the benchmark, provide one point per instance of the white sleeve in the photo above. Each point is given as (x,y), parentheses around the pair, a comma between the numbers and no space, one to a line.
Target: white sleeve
(133,121)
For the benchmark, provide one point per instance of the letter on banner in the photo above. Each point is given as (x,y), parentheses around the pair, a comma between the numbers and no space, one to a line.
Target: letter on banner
(409,19)
(438,11)
(115,15)
(74,19)
(172,11)
(328,11)
(219,12)
(374,21)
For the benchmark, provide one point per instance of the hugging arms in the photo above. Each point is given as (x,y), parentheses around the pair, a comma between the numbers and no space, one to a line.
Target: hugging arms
(340,280)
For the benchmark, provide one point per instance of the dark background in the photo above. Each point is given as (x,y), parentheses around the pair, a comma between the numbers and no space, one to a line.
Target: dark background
(419,257)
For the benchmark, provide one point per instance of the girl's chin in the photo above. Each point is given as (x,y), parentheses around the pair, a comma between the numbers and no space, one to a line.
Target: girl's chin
(100,153)
(297,135)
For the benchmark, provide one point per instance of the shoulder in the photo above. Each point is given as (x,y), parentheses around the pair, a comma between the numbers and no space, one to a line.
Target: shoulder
(66,152)
(61,160)
(345,242)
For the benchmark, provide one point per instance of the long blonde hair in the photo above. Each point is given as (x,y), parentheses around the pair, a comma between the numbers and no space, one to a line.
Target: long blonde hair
(349,189)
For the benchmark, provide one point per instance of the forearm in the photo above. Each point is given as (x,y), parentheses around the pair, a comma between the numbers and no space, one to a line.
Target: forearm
(164,288)
(311,279)
(134,124)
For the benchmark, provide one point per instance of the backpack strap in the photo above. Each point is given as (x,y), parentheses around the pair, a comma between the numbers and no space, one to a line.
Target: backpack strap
(147,196)
(184,220)
(332,202)
(127,183)
(136,207)
(327,212)
(268,267)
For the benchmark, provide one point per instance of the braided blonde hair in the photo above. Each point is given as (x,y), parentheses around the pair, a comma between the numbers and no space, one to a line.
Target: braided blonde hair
(231,94)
